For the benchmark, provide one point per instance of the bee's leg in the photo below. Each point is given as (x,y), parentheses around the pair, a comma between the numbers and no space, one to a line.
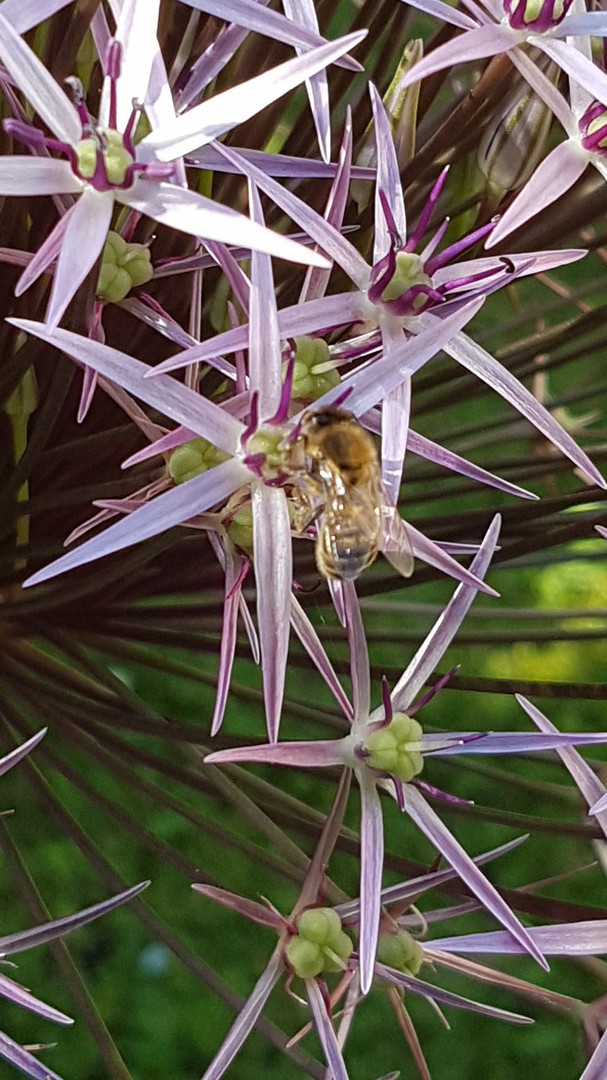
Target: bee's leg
(302,510)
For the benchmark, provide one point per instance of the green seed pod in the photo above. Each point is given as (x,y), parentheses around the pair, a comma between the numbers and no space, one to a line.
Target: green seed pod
(240,527)
(305,957)
(401,952)
(123,266)
(192,458)
(319,925)
(313,370)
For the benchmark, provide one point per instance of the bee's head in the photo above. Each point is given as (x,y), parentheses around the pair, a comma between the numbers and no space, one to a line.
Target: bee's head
(327,417)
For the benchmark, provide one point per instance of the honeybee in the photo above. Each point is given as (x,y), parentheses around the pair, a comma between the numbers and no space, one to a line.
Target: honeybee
(338,461)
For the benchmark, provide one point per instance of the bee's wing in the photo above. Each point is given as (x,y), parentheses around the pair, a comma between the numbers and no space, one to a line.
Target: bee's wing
(394,541)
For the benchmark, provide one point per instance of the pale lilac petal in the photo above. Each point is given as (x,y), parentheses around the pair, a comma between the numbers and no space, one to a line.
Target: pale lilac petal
(136,31)
(269,23)
(11,990)
(265,354)
(485,367)
(101,34)
(388,180)
(591,788)
(602,531)
(445,628)
(511,742)
(597,1066)
(17,755)
(273,575)
(418,444)
(376,380)
(445,997)
(29,175)
(358,651)
(302,14)
(164,393)
(22,1059)
(41,935)
(170,329)
(417,886)
(232,566)
(395,413)
(576,65)
(210,63)
(431,825)
(85,234)
(330,240)
(284,165)
(45,254)
(25,14)
(219,114)
(473,45)
(314,648)
(39,87)
(326,1034)
(196,215)
(431,553)
(257,913)
(446,12)
(247,1017)
(316,281)
(567,939)
(590,24)
(294,321)
(299,755)
(250,630)
(524,263)
(552,178)
(172,508)
(371,866)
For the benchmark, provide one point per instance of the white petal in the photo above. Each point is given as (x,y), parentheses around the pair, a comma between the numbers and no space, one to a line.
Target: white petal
(193,214)
(82,244)
(31,76)
(22,174)
(219,114)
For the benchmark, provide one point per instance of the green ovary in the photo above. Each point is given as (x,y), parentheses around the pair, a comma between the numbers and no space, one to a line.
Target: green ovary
(393,749)
(409,272)
(116,157)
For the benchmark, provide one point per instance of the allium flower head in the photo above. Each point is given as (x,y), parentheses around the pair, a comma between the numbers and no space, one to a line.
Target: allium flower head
(103,163)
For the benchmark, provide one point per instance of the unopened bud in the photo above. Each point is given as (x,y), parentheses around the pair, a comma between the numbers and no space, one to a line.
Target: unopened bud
(515,137)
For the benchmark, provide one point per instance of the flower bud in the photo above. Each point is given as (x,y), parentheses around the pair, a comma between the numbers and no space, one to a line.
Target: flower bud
(515,137)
